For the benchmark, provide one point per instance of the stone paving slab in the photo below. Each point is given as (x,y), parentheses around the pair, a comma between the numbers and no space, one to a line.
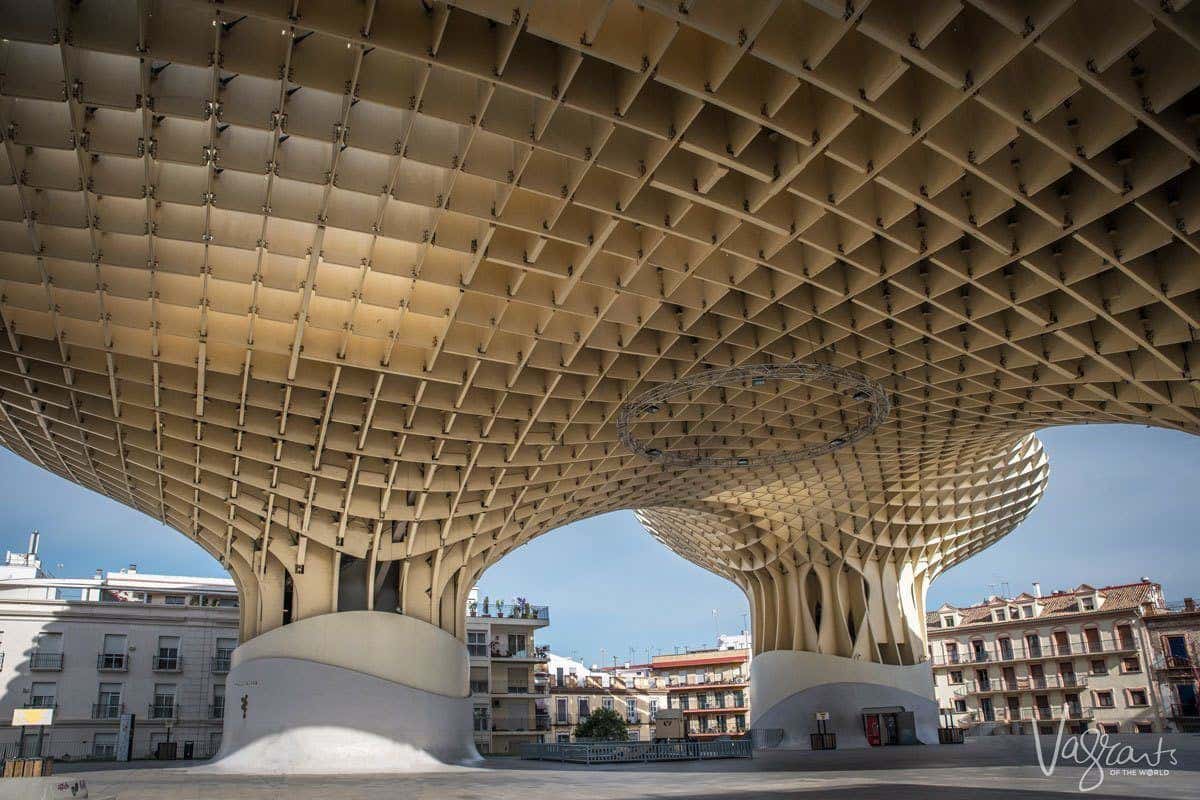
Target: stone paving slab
(996,768)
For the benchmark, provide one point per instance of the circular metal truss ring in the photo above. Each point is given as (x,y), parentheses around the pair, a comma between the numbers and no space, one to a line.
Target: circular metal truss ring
(852,384)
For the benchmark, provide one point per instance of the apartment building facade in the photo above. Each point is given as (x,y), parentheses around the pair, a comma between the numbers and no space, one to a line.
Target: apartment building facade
(1175,664)
(94,650)
(711,687)
(1079,657)
(576,691)
(509,682)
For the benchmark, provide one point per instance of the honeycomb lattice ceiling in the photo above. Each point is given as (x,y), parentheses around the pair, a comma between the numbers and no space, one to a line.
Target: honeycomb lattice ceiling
(373,277)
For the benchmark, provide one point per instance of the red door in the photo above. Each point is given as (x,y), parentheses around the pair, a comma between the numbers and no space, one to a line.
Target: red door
(871,721)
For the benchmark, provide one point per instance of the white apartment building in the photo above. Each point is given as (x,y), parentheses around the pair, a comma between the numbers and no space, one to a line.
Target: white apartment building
(508,673)
(1080,657)
(156,647)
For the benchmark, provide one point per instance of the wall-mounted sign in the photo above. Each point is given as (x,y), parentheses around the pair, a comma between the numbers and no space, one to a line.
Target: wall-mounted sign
(33,716)
(822,716)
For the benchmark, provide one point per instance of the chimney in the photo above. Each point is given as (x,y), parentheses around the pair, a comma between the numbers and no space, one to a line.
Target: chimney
(1037,589)
(33,543)
(99,574)
(132,569)
(1189,604)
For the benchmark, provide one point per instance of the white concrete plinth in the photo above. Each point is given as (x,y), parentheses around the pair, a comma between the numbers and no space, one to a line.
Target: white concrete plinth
(788,687)
(358,691)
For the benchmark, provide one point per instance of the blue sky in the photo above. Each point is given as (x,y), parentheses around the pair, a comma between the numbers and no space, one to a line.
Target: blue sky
(1122,502)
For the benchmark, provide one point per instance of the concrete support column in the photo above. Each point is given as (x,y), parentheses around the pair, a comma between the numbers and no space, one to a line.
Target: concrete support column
(356,691)
(788,687)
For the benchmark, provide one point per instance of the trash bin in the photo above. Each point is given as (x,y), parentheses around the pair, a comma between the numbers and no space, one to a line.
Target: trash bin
(166,751)
(189,749)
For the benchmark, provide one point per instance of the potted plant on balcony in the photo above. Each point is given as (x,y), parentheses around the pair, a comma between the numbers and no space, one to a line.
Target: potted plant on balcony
(485,605)
(521,608)
(499,608)
(472,607)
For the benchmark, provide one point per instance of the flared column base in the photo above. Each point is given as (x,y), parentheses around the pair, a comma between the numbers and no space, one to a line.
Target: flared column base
(348,692)
(789,687)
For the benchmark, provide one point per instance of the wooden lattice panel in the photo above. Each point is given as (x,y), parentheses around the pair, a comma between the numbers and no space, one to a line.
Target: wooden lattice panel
(355,289)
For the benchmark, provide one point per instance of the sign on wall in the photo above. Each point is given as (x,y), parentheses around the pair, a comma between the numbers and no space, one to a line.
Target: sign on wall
(125,738)
(33,716)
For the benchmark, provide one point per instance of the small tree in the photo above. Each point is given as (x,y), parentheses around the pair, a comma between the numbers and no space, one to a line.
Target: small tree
(603,724)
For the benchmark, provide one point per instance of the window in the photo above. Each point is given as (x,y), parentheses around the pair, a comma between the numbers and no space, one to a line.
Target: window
(1131,664)
(104,745)
(739,699)
(108,701)
(631,713)
(1014,612)
(1137,697)
(960,706)
(560,710)
(174,600)
(683,702)
(563,738)
(558,676)
(48,652)
(653,708)
(607,702)
(1000,615)
(948,622)
(168,658)
(477,644)
(1110,727)
(42,695)
(956,676)
(1104,699)
(163,706)
(113,655)
(1099,667)
(518,680)
(1143,727)
(516,644)
(479,719)
(740,721)
(224,656)
(1087,603)
(1027,612)
(583,709)
(217,711)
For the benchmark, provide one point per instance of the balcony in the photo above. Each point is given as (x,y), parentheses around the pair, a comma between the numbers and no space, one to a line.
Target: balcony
(1181,711)
(1175,662)
(112,662)
(479,687)
(995,652)
(168,663)
(164,709)
(45,662)
(216,709)
(221,663)
(107,710)
(42,701)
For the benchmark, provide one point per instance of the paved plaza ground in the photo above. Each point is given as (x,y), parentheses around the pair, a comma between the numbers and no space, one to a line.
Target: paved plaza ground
(992,768)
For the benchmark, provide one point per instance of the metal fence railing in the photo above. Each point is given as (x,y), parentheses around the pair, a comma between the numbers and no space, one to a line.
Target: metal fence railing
(615,752)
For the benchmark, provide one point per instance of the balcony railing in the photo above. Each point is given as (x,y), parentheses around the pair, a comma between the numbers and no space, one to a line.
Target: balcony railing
(520,722)
(112,662)
(164,710)
(1186,711)
(525,654)
(221,663)
(42,701)
(1175,662)
(107,710)
(1018,652)
(164,663)
(508,610)
(45,661)
(216,710)
(479,687)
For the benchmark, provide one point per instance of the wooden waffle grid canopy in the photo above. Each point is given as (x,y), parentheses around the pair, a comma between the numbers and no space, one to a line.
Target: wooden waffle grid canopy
(353,290)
